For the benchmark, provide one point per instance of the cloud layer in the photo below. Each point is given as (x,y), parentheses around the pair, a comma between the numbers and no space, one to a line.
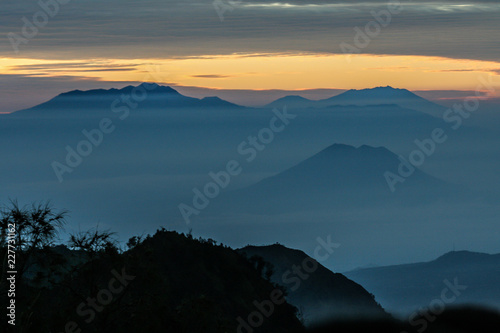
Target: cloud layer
(159,28)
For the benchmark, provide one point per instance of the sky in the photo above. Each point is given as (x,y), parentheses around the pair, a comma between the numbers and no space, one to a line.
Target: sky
(318,48)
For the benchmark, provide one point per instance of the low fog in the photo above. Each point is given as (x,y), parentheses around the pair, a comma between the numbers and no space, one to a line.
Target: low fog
(153,159)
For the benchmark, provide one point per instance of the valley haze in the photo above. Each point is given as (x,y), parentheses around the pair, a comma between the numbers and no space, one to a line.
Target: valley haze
(106,154)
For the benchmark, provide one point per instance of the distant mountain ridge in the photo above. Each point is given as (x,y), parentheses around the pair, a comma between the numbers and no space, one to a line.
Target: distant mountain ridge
(154,96)
(365,97)
(143,96)
(404,288)
(292,101)
(150,87)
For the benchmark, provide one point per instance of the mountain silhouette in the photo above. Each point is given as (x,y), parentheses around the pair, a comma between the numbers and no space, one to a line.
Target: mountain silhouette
(143,96)
(292,101)
(367,97)
(176,284)
(338,176)
(320,294)
(214,101)
(404,288)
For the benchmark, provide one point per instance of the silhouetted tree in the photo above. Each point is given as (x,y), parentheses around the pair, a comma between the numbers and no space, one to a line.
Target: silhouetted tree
(36,228)
(134,241)
(94,242)
(31,230)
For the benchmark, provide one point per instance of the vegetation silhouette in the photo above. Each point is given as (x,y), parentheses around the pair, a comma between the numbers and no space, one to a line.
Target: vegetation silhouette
(168,282)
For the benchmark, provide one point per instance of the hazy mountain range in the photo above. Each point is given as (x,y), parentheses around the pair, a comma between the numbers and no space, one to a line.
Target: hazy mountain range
(366,97)
(323,173)
(402,289)
(150,96)
(153,96)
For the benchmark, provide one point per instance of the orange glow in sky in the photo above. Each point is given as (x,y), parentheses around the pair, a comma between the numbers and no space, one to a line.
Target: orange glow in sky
(272,71)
